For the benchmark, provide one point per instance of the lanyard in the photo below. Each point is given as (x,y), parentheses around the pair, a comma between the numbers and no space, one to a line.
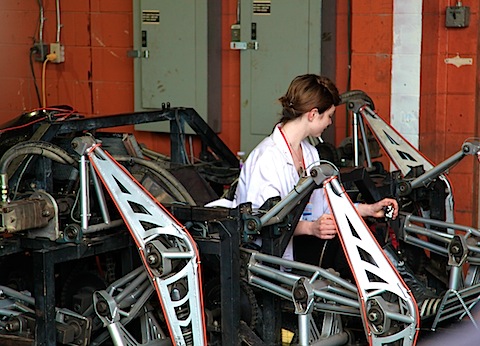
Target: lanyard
(302,164)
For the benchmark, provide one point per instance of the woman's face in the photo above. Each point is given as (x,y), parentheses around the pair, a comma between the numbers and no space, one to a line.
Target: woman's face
(321,121)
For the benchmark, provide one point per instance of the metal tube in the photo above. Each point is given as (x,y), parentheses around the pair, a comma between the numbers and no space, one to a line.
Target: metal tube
(140,271)
(436,171)
(305,267)
(426,245)
(84,195)
(399,317)
(270,287)
(101,197)
(127,290)
(271,274)
(454,278)
(59,25)
(355,139)
(365,142)
(285,206)
(303,329)
(103,226)
(443,224)
(425,231)
(341,338)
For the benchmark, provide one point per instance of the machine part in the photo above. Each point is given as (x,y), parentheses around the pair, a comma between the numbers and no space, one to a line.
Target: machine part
(302,296)
(148,222)
(106,310)
(77,289)
(457,251)
(402,154)
(354,95)
(374,275)
(72,233)
(51,230)
(33,212)
(462,248)
(71,328)
(129,297)
(333,296)
(168,182)
(249,308)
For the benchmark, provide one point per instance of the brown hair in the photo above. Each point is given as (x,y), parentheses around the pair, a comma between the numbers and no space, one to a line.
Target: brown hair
(306,92)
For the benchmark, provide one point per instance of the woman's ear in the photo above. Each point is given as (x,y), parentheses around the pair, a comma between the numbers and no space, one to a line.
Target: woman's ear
(313,112)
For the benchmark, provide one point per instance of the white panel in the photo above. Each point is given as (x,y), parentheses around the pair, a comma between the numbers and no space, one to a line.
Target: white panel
(407,40)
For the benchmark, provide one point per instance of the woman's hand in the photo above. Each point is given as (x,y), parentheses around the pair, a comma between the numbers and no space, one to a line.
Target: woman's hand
(324,227)
(378,209)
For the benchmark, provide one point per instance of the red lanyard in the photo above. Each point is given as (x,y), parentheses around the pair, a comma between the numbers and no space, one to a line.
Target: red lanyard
(290,149)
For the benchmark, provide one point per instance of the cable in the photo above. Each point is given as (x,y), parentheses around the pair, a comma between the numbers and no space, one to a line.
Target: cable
(50,57)
(32,51)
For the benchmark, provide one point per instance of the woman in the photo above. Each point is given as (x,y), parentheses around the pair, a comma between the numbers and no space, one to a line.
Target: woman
(274,167)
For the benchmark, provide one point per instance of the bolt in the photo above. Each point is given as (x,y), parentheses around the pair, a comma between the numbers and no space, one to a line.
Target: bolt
(299,293)
(102,307)
(71,233)
(455,249)
(12,326)
(372,316)
(152,259)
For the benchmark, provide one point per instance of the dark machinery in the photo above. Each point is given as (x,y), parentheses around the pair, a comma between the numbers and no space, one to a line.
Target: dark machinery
(89,256)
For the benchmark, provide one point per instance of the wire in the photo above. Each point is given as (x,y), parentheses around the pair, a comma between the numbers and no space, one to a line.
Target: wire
(32,51)
(17,185)
(50,57)
(44,96)
(61,117)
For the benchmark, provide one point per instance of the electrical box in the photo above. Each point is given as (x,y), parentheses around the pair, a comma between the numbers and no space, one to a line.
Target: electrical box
(278,40)
(177,58)
(457,17)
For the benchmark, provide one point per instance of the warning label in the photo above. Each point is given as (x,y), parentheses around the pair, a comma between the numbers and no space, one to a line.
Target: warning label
(151,17)
(262,7)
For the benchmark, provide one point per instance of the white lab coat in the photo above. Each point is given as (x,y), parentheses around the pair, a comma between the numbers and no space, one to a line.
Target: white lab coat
(269,171)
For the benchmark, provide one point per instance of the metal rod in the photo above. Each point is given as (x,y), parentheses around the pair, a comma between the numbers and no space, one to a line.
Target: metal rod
(433,173)
(355,140)
(101,196)
(285,205)
(84,195)
(365,142)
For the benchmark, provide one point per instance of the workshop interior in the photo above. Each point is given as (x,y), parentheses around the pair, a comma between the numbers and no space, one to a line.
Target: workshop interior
(124,126)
